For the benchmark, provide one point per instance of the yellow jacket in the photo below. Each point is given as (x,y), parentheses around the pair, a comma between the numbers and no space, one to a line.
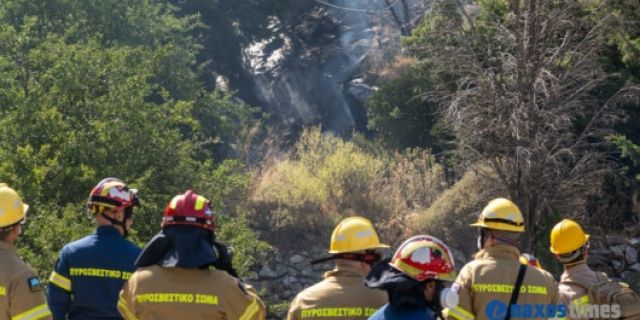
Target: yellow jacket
(21,296)
(341,295)
(491,276)
(156,292)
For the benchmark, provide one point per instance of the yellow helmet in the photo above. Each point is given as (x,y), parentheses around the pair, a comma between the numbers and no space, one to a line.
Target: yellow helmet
(567,236)
(12,209)
(354,234)
(501,214)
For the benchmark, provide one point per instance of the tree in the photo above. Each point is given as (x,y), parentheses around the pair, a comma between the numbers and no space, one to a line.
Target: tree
(398,115)
(83,100)
(523,89)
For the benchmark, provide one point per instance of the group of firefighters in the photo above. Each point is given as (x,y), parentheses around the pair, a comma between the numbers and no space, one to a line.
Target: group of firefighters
(184,273)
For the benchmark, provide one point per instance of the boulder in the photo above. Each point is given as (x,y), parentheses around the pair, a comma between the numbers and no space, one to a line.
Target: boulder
(614,241)
(634,267)
(618,266)
(602,252)
(597,260)
(630,255)
(618,251)
(267,272)
(296,259)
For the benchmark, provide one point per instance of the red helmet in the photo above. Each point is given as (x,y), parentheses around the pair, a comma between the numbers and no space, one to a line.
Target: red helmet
(112,193)
(424,257)
(189,209)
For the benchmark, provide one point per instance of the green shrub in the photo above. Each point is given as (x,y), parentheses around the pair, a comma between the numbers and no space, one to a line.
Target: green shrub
(326,179)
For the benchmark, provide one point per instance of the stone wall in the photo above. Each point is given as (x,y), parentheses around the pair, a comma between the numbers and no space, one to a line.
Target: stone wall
(616,256)
(279,278)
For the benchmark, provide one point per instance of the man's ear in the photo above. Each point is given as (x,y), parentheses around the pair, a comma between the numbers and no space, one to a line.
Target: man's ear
(17,230)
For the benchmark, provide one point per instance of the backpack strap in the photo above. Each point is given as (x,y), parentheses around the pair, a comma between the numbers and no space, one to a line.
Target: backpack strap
(602,277)
(516,289)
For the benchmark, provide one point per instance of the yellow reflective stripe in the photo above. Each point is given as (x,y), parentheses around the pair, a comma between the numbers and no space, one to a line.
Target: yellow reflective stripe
(100,273)
(123,306)
(38,312)
(461,314)
(60,281)
(338,312)
(581,301)
(174,202)
(200,202)
(250,311)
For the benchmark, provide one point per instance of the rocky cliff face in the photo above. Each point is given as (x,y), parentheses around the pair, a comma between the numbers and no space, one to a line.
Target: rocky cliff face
(313,72)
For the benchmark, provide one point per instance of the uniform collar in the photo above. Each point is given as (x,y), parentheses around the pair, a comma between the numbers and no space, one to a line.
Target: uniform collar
(7,246)
(499,251)
(107,230)
(577,272)
(345,271)
(577,267)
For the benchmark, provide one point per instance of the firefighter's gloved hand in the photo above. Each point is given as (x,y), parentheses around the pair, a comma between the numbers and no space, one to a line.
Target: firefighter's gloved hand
(224,259)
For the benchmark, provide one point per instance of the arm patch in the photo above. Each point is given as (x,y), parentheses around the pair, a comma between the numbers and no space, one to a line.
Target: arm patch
(34,284)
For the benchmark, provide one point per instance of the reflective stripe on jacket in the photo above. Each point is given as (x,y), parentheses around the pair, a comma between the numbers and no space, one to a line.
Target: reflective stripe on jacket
(89,274)
(489,279)
(21,296)
(341,295)
(156,292)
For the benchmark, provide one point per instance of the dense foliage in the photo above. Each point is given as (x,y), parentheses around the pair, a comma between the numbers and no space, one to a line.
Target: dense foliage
(90,89)
(526,99)
(534,89)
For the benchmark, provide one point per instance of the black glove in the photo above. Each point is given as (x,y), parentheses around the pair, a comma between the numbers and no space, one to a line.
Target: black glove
(224,259)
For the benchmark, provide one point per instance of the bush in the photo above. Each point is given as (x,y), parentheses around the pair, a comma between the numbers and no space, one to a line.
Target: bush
(326,179)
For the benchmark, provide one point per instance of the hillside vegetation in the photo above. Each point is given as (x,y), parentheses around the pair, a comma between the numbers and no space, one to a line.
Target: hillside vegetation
(533,100)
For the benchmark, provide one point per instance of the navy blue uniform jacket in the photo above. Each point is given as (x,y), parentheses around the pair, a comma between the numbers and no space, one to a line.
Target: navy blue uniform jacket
(389,312)
(89,275)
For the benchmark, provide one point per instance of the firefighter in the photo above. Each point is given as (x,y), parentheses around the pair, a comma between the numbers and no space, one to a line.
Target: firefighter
(21,295)
(342,294)
(175,279)
(417,280)
(570,245)
(90,272)
(486,284)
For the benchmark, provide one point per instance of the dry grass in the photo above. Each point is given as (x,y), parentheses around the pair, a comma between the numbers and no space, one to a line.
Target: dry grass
(326,179)
(449,216)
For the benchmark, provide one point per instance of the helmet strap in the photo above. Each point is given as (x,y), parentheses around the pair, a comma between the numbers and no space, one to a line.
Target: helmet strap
(573,258)
(122,224)
(511,243)
(370,257)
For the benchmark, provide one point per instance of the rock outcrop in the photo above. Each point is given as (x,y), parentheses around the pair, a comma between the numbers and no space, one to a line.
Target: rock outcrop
(617,257)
